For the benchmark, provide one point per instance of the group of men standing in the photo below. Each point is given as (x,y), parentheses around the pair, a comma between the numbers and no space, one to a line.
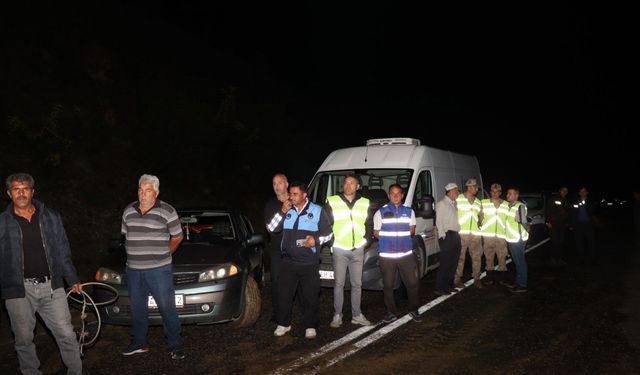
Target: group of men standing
(347,223)
(35,265)
(490,226)
(299,228)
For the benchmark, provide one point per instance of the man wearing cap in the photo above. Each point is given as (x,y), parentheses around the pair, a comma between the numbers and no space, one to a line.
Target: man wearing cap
(447,227)
(493,231)
(469,211)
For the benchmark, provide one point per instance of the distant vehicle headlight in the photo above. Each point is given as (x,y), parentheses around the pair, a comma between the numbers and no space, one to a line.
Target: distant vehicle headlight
(108,276)
(218,272)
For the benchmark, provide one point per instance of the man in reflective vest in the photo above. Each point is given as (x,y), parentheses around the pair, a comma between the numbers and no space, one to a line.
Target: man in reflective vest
(517,236)
(494,231)
(469,209)
(352,229)
(394,224)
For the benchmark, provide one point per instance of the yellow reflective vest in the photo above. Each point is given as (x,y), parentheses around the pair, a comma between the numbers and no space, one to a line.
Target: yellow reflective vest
(516,231)
(468,215)
(348,223)
(494,219)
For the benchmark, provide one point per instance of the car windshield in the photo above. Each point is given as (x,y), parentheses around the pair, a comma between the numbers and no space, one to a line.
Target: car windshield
(207,227)
(533,202)
(374,183)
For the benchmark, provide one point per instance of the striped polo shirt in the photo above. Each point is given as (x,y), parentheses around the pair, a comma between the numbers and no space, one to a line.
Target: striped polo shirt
(147,236)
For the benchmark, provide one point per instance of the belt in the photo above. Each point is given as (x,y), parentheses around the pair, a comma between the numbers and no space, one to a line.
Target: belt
(37,280)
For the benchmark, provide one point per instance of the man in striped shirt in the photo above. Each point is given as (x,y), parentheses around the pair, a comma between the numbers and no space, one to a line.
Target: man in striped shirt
(153,232)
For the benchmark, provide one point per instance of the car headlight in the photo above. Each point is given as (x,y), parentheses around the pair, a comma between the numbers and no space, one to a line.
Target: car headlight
(108,276)
(218,272)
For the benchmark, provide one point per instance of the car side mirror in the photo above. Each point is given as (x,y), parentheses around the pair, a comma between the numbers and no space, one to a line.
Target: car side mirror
(255,239)
(425,207)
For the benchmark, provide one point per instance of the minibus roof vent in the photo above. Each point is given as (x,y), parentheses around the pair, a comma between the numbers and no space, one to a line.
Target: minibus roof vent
(393,141)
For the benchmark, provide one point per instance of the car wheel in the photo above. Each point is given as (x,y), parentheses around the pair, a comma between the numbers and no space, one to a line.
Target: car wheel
(259,276)
(251,306)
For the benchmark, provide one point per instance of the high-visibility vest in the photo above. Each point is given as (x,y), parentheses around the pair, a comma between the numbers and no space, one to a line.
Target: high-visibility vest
(395,233)
(348,223)
(494,219)
(468,215)
(516,231)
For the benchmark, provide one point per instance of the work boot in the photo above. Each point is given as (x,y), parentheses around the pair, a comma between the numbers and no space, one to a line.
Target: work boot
(490,279)
(478,283)
(458,284)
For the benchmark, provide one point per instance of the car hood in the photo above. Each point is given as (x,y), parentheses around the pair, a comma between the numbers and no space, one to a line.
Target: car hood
(189,256)
(204,254)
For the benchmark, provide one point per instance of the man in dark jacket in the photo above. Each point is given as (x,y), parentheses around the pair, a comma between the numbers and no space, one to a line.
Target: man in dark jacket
(583,221)
(305,228)
(35,263)
(273,206)
(558,209)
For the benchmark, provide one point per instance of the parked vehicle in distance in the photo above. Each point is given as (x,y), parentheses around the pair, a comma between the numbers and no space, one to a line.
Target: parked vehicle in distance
(420,170)
(536,205)
(217,272)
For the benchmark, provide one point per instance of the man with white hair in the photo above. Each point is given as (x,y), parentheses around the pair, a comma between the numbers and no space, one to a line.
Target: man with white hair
(153,232)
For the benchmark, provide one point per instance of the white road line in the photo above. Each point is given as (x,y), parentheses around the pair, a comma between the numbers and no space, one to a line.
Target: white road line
(386,329)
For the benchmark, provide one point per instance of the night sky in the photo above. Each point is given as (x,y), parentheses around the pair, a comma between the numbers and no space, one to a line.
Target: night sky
(515,84)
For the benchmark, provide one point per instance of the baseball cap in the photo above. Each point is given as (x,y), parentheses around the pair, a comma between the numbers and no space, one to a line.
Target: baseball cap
(450,186)
(496,187)
(471,182)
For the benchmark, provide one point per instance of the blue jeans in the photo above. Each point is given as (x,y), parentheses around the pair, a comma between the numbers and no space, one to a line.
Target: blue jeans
(53,308)
(517,253)
(159,283)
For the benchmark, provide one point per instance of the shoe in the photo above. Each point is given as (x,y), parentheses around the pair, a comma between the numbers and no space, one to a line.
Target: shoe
(452,290)
(489,280)
(458,284)
(336,321)
(360,319)
(310,333)
(415,315)
(478,284)
(135,349)
(281,330)
(177,354)
(389,317)
(508,284)
(518,289)
(442,292)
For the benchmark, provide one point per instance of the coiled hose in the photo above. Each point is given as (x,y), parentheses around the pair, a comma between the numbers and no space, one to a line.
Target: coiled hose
(87,301)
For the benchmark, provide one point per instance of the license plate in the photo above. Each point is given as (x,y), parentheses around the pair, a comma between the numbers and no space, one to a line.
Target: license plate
(179,301)
(326,275)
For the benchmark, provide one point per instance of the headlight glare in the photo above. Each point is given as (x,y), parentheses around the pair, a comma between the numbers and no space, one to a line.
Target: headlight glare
(218,272)
(108,276)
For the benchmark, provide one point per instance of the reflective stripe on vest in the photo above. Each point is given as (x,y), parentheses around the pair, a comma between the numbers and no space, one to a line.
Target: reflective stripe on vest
(515,230)
(395,232)
(348,224)
(468,215)
(494,219)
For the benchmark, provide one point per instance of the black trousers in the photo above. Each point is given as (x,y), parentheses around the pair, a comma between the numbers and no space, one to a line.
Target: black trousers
(585,239)
(408,268)
(275,265)
(450,248)
(305,278)
(558,238)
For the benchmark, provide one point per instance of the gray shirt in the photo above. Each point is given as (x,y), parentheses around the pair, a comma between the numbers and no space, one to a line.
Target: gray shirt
(446,217)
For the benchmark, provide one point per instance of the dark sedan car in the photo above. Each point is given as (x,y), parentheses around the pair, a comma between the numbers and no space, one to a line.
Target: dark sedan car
(217,272)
